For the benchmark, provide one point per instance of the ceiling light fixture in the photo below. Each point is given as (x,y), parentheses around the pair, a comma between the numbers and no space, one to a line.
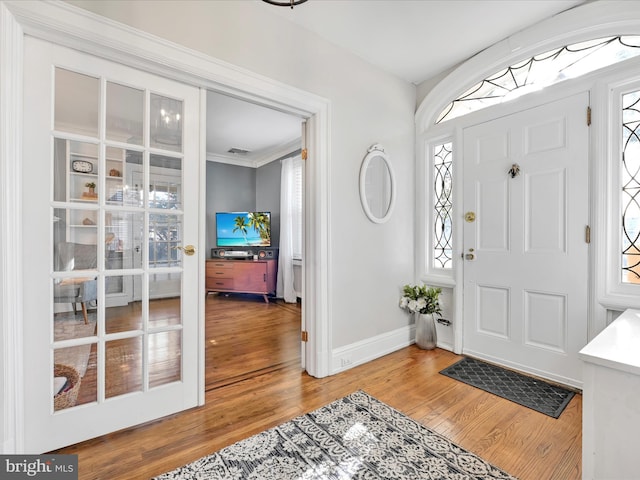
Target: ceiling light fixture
(290,3)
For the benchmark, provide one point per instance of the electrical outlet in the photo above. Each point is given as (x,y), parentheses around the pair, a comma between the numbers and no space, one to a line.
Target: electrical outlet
(345,361)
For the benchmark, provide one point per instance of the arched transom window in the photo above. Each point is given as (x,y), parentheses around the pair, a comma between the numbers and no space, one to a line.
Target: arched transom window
(542,70)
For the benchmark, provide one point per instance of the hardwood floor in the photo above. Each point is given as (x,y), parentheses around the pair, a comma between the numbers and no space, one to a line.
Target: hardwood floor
(246,336)
(527,444)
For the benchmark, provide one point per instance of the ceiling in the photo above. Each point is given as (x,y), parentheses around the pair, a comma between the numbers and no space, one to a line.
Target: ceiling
(412,39)
(417,39)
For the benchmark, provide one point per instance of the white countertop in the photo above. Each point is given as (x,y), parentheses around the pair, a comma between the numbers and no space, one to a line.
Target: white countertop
(618,345)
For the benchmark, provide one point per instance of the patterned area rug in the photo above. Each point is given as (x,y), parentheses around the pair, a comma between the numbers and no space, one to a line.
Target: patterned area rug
(529,392)
(356,437)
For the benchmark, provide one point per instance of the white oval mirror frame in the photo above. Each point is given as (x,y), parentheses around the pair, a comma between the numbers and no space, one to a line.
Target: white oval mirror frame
(377,185)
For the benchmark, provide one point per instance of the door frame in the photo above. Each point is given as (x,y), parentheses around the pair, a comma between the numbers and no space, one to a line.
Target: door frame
(104,38)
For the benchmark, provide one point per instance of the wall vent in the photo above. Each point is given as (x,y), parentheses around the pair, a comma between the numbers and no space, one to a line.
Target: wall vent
(238,151)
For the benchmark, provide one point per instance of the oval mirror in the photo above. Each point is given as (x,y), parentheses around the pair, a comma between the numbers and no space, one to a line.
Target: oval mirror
(377,188)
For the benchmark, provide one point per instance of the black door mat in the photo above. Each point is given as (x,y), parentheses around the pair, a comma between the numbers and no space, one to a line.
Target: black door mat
(526,391)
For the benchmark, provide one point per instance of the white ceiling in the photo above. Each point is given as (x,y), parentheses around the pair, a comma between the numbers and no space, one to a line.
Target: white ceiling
(417,39)
(412,39)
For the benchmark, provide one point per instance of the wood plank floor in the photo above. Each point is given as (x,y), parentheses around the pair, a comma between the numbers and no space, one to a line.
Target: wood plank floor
(527,444)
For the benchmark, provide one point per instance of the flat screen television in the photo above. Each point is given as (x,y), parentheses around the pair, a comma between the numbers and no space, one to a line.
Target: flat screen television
(243,229)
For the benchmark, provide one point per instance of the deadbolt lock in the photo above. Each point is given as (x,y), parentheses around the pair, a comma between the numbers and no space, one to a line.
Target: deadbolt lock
(470,217)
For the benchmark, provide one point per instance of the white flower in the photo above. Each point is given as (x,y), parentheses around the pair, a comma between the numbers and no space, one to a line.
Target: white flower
(404,301)
(412,305)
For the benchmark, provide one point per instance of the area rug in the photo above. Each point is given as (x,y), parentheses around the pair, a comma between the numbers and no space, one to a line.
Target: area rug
(529,392)
(356,437)
(69,326)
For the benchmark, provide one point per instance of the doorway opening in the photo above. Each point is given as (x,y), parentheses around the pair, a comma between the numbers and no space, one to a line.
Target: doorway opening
(249,328)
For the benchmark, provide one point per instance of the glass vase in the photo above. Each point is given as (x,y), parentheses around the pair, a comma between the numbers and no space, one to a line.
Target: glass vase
(426,337)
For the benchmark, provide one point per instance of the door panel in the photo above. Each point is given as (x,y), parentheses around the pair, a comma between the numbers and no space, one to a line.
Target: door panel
(97,358)
(526,261)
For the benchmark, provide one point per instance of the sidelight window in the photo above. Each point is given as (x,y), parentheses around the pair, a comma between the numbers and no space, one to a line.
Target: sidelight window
(442,205)
(630,188)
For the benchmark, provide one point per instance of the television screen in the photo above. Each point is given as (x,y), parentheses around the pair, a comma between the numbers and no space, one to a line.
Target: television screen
(243,229)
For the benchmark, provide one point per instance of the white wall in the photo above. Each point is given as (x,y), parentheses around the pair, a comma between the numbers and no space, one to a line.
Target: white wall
(368,262)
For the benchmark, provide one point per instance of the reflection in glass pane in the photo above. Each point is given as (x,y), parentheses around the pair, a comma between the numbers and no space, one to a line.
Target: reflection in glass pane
(164,358)
(124,318)
(123,369)
(166,123)
(165,236)
(77,103)
(71,227)
(73,382)
(165,189)
(165,311)
(125,113)
(123,239)
(73,299)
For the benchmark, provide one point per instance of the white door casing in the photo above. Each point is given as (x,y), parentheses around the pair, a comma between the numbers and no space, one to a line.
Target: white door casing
(525,255)
(44,429)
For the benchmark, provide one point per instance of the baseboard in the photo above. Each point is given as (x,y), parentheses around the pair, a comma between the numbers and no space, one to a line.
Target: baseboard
(344,358)
(349,356)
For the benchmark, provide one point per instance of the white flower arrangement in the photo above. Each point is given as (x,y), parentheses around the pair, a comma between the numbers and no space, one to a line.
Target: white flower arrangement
(420,299)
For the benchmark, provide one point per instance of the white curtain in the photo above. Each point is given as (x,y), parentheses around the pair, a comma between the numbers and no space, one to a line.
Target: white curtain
(288,222)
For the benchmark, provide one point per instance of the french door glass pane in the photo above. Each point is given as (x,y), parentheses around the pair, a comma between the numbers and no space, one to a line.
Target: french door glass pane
(123,367)
(125,316)
(166,123)
(123,238)
(70,374)
(77,103)
(125,114)
(165,310)
(164,357)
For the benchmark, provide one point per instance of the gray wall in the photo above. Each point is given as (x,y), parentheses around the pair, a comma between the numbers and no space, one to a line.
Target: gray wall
(231,188)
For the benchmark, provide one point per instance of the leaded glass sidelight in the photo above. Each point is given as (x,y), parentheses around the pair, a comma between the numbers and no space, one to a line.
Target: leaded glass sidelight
(630,181)
(442,205)
(542,70)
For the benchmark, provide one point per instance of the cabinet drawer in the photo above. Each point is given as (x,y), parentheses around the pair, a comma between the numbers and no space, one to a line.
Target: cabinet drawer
(219,283)
(219,269)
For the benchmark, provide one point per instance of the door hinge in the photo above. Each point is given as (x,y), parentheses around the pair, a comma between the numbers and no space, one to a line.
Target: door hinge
(303,153)
(587,234)
(305,336)
(588,116)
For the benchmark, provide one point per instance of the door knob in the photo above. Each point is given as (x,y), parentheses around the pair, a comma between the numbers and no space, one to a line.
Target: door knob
(187,250)
(470,217)
(470,255)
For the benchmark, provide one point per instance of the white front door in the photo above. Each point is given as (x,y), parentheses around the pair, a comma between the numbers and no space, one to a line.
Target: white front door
(97,359)
(525,255)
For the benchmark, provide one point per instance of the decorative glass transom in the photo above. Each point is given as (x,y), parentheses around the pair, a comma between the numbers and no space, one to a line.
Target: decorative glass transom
(630,180)
(542,70)
(442,205)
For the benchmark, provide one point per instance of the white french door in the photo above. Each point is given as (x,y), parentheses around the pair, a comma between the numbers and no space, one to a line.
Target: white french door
(525,254)
(96,358)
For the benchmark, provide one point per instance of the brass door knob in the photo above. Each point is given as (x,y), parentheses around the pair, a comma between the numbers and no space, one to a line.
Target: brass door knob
(188,250)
